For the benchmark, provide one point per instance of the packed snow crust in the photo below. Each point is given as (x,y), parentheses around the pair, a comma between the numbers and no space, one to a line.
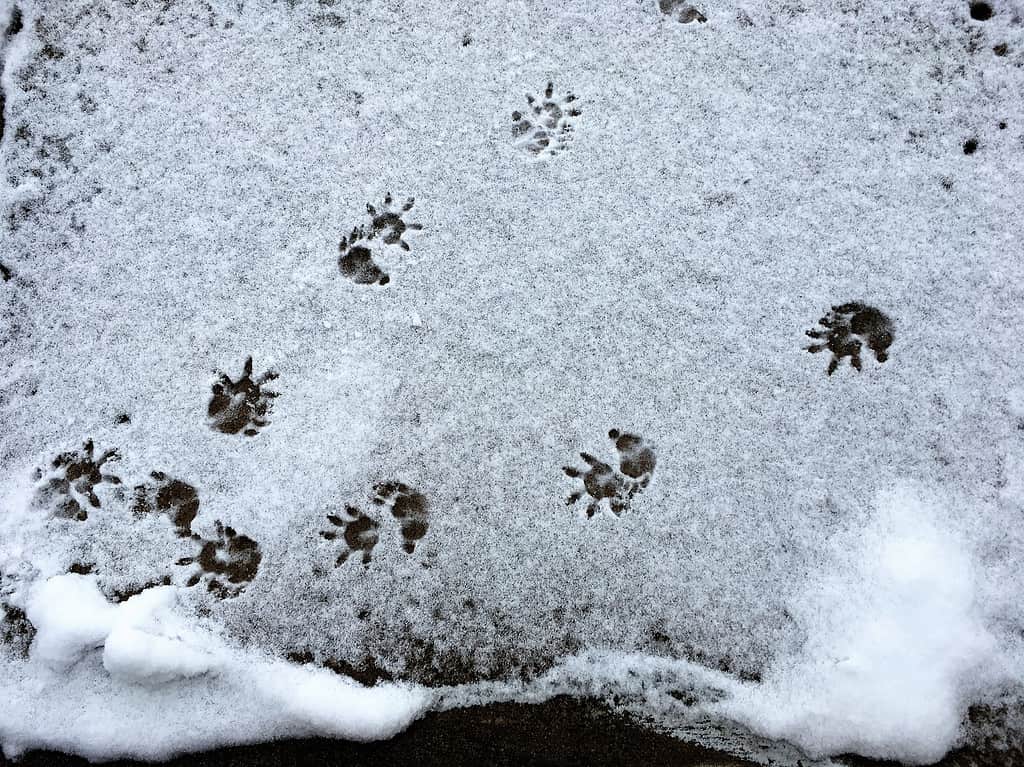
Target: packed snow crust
(303,332)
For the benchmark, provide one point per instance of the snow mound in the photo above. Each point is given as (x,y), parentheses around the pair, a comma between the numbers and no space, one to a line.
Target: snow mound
(896,648)
(139,700)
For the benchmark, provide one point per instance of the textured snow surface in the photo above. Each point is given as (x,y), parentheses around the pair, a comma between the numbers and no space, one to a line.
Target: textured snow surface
(314,314)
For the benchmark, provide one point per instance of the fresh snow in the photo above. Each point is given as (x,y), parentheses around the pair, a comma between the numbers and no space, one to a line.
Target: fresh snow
(340,381)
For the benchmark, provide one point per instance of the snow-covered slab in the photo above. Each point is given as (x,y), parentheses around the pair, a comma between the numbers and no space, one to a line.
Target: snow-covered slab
(358,359)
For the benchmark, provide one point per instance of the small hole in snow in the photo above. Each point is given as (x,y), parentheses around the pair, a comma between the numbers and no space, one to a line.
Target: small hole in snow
(1001,50)
(1002,125)
(970,146)
(981,11)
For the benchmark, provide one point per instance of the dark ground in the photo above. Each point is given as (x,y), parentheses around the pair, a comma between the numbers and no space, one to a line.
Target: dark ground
(562,732)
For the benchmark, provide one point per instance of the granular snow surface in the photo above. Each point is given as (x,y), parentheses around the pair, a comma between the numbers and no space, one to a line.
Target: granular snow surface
(359,359)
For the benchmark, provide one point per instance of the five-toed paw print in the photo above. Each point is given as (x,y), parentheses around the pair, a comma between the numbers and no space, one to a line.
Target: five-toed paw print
(601,481)
(227,563)
(408,506)
(67,487)
(387,222)
(682,10)
(358,530)
(847,328)
(242,405)
(546,126)
(166,495)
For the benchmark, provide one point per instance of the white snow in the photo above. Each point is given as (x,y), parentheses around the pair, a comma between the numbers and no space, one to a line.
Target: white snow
(71,617)
(174,185)
(147,705)
(896,645)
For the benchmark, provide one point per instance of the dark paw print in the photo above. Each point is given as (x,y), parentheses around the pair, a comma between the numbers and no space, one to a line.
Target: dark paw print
(618,486)
(849,327)
(408,506)
(546,126)
(67,488)
(166,495)
(358,530)
(16,631)
(683,11)
(227,564)
(242,405)
(386,223)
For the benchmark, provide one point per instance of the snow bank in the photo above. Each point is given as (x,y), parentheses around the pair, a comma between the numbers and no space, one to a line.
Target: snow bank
(159,684)
(896,645)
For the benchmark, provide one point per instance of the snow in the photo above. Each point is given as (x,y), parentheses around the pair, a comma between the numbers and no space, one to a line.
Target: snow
(150,651)
(71,617)
(176,184)
(896,645)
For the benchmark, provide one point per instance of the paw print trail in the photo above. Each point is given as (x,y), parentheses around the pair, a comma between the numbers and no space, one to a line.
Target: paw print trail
(602,482)
(242,405)
(849,327)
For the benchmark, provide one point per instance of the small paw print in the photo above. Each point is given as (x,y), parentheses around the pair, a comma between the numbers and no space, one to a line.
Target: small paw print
(849,327)
(356,261)
(358,530)
(683,11)
(68,487)
(242,405)
(388,224)
(166,495)
(408,506)
(227,564)
(618,486)
(547,125)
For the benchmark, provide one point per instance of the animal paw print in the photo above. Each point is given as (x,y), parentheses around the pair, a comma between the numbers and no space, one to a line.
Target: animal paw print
(618,486)
(361,531)
(408,506)
(386,222)
(847,328)
(68,487)
(166,495)
(683,11)
(242,405)
(227,564)
(546,126)
(358,530)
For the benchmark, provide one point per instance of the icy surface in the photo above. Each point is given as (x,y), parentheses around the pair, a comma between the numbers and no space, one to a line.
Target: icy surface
(313,316)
